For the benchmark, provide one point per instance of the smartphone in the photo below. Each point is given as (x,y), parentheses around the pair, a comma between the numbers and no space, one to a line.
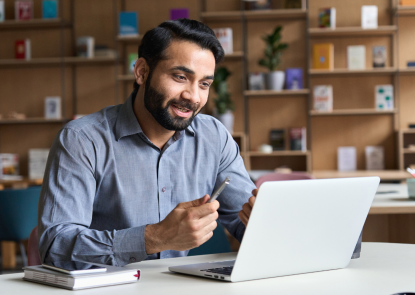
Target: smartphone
(74,267)
(216,194)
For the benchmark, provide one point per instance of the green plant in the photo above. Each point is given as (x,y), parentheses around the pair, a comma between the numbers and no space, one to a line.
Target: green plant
(274,49)
(223,100)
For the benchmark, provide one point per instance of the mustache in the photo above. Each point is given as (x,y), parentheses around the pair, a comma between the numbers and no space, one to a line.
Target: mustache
(184,104)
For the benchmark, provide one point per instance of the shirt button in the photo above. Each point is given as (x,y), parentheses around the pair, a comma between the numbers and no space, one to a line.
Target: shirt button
(132,259)
(163,189)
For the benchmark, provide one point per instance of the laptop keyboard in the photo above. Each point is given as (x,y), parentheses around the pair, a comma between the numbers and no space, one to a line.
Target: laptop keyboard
(220,270)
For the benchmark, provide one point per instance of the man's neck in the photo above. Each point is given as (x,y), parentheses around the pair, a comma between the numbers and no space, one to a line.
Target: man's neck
(156,133)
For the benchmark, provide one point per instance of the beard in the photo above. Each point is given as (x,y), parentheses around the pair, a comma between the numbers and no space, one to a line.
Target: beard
(153,101)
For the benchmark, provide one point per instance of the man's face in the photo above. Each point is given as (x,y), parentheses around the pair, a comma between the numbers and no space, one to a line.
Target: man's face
(178,88)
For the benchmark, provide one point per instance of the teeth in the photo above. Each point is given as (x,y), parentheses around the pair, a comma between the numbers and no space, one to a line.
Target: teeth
(180,109)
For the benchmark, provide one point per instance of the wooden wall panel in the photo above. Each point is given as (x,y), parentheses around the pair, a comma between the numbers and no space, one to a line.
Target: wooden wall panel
(274,113)
(407,100)
(349,12)
(406,40)
(360,131)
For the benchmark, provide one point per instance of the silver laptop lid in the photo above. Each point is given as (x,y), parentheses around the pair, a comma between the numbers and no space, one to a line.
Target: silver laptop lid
(303,226)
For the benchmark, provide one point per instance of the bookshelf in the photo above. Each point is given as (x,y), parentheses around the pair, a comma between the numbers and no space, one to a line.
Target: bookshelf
(353,112)
(32,121)
(352,31)
(366,72)
(253,93)
(34,24)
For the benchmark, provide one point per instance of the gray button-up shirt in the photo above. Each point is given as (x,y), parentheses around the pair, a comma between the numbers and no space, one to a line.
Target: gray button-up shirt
(105,181)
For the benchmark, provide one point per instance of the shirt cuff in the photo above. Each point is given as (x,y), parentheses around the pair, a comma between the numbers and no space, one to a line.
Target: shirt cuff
(129,245)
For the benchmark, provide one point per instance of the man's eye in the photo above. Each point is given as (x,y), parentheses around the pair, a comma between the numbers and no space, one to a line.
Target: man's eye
(206,84)
(180,77)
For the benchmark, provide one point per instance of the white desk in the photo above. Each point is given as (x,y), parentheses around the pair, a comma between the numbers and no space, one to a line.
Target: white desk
(382,269)
(395,202)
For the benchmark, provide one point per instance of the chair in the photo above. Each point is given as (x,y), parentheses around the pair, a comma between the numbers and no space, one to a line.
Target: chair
(218,243)
(282,176)
(33,256)
(18,215)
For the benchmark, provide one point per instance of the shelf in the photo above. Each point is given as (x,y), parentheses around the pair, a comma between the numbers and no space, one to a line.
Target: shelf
(54,61)
(409,70)
(32,120)
(408,131)
(277,153)
(383,174)
(130,38)
(371,71)
(236,54)
(254,14)
(405,10)
(253,93)
(352,31)
(352,112)
(33,24)
(409,151)
(238,134)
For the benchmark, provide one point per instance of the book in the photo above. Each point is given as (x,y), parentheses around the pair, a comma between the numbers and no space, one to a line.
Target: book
(113,276)
(132,58)
(176,13)
(356,57)
(384,98)
(323,56)
(2,11)
(369,18)
(10,164)
(379,56)
(128,23)
(49,8)
(294,78)
(410,64)
(53,109)
(277,139)
(37,163)
(346,158)
(298,139)
(323,98)
(225,37)
(85,46)
(256,81)
(23,10)
(327,18)
(375,158)
(23,49)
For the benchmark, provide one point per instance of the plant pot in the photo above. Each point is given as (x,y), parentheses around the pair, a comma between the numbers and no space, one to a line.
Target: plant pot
(275,80)
(226,119)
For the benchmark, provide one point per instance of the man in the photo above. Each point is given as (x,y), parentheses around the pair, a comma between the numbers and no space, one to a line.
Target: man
(131,182)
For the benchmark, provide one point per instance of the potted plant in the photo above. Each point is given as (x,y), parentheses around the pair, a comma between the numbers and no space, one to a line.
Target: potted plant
(273,51)
(223,103)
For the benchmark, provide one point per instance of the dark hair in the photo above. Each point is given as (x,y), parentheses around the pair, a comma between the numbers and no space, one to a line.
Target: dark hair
(157,40)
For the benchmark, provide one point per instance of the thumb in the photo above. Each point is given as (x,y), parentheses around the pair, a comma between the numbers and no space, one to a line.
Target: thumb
(194,203)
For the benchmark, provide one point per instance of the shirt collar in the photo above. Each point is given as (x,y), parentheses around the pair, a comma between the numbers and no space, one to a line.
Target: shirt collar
(127,123)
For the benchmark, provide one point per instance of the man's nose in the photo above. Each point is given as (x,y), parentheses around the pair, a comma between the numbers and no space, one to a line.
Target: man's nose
(192,93)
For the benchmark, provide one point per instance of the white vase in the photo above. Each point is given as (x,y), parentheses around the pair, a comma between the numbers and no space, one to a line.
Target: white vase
(226,119)
(275,80)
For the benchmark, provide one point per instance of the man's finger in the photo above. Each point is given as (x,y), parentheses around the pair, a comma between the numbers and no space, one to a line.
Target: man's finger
(243,217)
(194,203)
(255,192)
(204,210)
(251,201)
(247,209)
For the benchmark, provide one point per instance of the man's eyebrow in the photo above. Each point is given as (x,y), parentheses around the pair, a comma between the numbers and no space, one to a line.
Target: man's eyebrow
(189,71)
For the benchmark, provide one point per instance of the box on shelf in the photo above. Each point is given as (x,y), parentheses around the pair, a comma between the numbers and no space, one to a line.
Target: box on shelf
(49,9)
(128,25)
(225,37)
(277,139)
(379,56)
(176,13)
(53,108)
(132,58)
(85,46)
(369,17)
(257,4)
(346,158)
(384,98)
(298,139)
(2,11)
(323,98)
(23,49)
(256,81)
(327,18)
(356,57)
(410,64)
(375,158)
(9,164)
(23,10)
(294,78)
(323,56)
(37,163)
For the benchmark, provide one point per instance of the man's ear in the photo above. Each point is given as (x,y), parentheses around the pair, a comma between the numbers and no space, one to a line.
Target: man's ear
(141,70)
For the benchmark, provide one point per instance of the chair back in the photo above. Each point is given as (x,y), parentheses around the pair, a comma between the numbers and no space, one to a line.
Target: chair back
(282,177)
(33,257)
(18,213)
(218,243)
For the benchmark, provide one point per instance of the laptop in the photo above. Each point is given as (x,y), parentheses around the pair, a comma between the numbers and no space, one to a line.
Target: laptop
(296,227)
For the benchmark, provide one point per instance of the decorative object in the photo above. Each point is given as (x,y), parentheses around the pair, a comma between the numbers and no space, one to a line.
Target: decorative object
(298,139)
(23,10)
(323,98)
(128,23)
(2,11)
(37,163)
(327,18)
(369,17)
(23,49)
(49,8)
(375,157)
(53,107)
(256,81)
(379,56)
(265,148)
(85,46)
(257,4)
(323,56)
(294,78)
(272,59)
(384,99)
(176,13)
(410,64)
(346,158)
(223,103)
(277,139)
(9,164)
(225,37)
(356,57)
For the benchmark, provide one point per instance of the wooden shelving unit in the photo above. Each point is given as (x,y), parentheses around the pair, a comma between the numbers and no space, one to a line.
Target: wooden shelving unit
(405,10)
(56,61)
(353,112)
(32,121)
(406,71)
(130,39)
(406,137)
(254,93)
(278,154)
(253,15)
(370,71)
(352,31)
(34,24)
(384,175)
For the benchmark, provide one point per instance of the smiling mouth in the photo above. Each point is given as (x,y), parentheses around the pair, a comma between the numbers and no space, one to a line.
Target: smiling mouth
(181,111)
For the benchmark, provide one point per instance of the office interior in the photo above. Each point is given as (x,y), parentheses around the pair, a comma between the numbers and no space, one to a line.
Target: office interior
(84,85)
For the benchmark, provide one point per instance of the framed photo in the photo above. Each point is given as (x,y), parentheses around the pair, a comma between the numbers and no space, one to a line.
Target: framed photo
(53,108)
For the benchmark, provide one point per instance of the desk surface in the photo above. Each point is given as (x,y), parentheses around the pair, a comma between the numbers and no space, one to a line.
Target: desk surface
(396,201)
(382,269)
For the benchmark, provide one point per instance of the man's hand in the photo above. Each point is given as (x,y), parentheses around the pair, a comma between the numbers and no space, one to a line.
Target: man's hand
(245,213)
(189,225)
